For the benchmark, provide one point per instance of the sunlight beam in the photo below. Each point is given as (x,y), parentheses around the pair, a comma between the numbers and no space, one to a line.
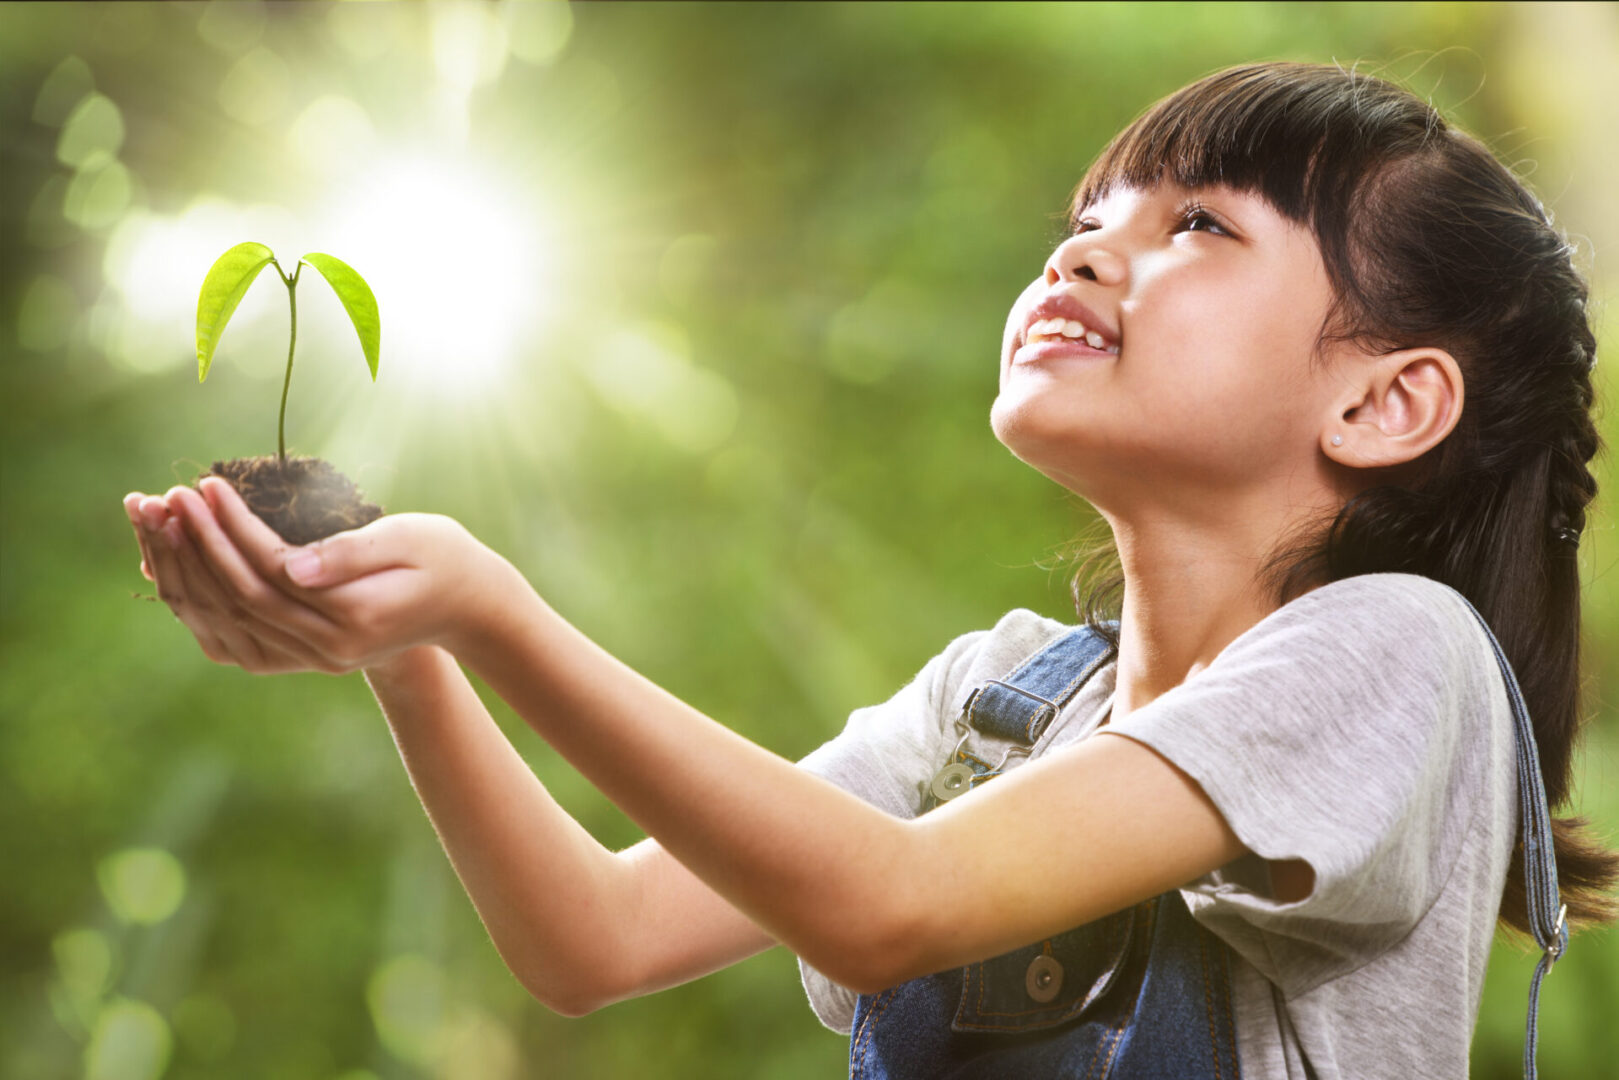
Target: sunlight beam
(457,266)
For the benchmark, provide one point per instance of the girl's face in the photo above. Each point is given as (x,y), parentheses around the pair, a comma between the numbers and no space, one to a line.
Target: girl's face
(1209,305)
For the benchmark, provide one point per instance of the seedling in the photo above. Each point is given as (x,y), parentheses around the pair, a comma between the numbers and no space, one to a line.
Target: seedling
(301,498)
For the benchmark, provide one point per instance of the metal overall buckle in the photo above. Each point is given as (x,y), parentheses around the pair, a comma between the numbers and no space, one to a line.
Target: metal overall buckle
(1554,947)
(956,777)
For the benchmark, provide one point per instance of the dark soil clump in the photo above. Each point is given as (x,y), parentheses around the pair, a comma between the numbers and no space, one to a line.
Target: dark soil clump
(303,499)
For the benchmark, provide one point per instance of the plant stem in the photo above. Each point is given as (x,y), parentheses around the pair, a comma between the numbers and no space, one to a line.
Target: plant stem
(292,300)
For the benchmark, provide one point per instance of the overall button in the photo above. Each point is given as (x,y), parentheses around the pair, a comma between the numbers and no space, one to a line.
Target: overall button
(1043,980)
(950,781)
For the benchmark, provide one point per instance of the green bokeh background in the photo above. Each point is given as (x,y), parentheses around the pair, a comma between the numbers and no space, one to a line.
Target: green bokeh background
(692,311)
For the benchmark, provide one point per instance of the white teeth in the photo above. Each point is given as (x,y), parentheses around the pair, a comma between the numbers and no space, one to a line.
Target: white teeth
(1068,328)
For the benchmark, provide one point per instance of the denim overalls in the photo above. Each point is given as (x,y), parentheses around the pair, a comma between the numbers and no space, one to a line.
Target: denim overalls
(1142,993)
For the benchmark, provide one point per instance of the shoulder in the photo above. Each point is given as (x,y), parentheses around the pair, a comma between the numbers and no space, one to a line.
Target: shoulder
(1360,667)
(1360,672)
(1399,622)
(1396,597)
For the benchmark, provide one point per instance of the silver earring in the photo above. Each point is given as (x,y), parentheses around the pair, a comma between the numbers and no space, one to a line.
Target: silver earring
(1337,440)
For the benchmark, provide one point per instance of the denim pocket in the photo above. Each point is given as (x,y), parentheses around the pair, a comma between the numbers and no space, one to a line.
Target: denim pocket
(1051,982)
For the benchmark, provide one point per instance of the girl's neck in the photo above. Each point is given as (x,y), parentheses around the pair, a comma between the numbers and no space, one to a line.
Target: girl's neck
(1189,592)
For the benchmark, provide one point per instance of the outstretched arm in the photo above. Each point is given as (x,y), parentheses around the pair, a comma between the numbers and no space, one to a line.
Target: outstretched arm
(578,925)
(868,899)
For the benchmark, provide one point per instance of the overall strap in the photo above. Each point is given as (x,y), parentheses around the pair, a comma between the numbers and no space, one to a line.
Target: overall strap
(1546,910)
(1021,706)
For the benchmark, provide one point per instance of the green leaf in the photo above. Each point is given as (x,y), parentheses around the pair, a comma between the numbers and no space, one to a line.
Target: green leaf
(222,290)
(358,301)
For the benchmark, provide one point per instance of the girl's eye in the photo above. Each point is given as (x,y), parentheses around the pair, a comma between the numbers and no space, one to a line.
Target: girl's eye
(1080,225)
(1197,219)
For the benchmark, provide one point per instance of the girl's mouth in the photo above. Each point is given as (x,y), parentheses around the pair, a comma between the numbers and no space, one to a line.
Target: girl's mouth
(1043,347)
(1060,329)
(1052,331)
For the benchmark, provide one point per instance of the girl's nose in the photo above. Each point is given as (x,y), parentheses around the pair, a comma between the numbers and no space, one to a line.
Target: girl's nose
(1083,258)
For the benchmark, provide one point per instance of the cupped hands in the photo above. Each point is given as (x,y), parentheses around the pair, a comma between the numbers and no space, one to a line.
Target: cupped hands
(351,601)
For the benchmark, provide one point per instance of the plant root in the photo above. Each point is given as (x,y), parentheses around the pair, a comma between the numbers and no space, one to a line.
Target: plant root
(303,499)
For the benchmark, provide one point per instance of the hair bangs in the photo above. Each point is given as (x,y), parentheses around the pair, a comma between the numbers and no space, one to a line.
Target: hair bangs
(1286,132)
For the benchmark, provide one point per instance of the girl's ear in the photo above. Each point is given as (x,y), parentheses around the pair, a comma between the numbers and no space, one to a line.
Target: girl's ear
(1402,405)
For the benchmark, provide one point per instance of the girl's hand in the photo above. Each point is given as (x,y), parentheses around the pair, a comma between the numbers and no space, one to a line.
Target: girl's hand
(338,605)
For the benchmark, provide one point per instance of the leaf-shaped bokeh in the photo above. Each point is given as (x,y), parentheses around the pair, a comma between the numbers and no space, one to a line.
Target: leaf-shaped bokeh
(358,301)
(227,281)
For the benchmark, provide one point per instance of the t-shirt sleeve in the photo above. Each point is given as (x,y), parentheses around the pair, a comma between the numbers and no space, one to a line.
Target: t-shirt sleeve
(1351,730)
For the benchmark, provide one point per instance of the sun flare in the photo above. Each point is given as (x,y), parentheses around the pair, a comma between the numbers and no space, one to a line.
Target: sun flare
(455,261)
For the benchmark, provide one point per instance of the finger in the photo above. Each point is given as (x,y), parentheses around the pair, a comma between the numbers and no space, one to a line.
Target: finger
(146,555)
(132,508)
(164,564)
(221,624)
(343,557)
(176,589)
(158,554)
(153,515)
(244,589)
(270,555)
(264,550)
(259,623)
(153,512)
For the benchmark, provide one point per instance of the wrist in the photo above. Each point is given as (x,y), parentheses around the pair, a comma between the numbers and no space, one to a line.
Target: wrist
(493,607)
(403,667)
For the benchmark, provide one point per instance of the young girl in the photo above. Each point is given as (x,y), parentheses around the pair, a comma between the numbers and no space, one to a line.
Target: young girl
(1323,365)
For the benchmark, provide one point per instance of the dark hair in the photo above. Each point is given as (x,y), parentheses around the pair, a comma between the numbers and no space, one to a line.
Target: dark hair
(1428,240)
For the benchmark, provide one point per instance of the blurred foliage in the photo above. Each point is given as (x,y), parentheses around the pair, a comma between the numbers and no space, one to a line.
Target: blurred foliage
(693,311)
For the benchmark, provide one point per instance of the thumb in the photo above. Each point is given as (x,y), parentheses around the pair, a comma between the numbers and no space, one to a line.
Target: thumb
(354,553)
(307,567)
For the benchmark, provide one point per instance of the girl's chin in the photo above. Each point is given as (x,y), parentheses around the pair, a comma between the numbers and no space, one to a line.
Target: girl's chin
(1054,441)
(1024,417)
(1035,436)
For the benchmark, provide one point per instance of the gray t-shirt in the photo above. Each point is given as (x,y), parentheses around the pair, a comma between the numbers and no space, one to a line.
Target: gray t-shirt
(1364,728)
